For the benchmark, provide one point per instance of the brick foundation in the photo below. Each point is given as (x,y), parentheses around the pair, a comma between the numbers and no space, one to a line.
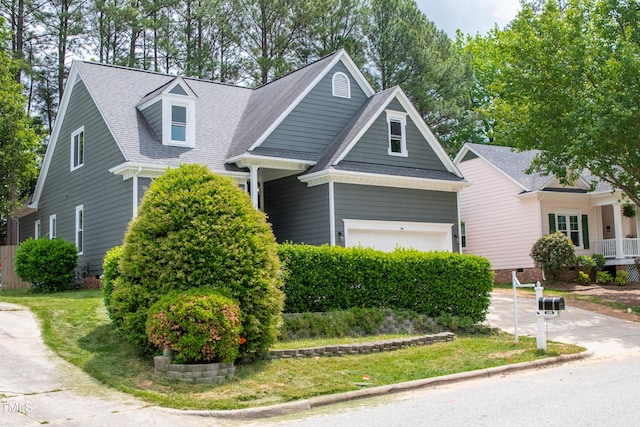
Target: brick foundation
(524,275)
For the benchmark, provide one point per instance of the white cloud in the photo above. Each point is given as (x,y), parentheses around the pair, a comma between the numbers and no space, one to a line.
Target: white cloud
(470,16)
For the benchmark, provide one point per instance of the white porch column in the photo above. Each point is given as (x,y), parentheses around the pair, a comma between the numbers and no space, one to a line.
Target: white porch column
(617,229)
(253,170)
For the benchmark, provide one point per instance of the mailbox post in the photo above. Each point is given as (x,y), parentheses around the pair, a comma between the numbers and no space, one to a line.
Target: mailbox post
(547,308)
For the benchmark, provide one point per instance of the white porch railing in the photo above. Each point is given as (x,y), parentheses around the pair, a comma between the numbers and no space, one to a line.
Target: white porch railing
(607,247)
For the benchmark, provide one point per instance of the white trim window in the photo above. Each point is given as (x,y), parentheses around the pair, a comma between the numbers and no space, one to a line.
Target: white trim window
(52,226)
(397,123)
(341,87)
(80,229)
(37,229)
(179,118)
(570,225)
(77,148)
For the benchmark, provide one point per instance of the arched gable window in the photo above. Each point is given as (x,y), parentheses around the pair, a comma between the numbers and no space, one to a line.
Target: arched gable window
(341,85)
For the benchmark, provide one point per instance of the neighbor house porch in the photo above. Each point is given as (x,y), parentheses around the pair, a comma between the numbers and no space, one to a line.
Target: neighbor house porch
(618,237)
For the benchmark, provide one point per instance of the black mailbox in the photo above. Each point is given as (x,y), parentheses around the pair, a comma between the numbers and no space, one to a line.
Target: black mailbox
(551,303)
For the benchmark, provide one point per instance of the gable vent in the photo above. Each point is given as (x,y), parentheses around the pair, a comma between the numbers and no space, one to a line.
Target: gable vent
(341,86)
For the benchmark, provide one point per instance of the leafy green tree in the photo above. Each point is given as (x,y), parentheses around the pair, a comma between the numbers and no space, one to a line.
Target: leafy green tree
(19,136)
(568,83)
(405,48)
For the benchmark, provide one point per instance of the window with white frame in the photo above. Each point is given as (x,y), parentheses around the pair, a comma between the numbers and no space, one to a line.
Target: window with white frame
(340,85)
(52,227)
(574,225)
(178,121)
(397,123)
(80,228)
(77,148)
(38,229)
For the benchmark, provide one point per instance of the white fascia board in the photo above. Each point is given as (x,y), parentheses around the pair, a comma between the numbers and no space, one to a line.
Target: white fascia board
(144,170)
(246,160)
(360,178)
(351,66)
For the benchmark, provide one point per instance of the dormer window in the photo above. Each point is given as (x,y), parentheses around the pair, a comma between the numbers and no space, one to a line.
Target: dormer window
(170,111)
(397,123)
(341,85)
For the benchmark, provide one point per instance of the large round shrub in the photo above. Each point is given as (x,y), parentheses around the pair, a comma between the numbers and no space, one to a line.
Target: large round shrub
(553,252)
(199,325)
(49,265)
(194,229)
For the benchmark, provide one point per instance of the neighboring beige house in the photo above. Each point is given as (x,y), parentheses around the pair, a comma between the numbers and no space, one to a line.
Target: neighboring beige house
(505,211)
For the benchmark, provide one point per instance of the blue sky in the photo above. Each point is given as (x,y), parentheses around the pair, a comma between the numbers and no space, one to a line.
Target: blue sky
(471,16)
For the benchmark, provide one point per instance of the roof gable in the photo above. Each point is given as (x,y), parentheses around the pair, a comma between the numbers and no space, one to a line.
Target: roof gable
(373,110)
(513,164)
(272,103)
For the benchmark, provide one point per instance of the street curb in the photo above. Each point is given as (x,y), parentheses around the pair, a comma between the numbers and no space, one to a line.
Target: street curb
(316,402)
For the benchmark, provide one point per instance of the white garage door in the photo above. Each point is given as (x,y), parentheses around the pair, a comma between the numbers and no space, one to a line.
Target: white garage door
(389,235)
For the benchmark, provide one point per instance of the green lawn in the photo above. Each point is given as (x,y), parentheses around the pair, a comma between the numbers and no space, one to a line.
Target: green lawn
(75,325)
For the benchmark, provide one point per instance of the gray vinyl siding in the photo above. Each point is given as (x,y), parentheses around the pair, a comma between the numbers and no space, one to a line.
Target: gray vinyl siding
(315,122)
(153,115)
(143,185)
(373,147)
(298,213)
(393,204)
(106,198)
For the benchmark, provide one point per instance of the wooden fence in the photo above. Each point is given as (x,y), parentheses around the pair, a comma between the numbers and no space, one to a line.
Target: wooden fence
(8,278)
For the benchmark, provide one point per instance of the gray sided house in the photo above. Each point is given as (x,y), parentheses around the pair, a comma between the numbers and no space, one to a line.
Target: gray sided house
(325,157)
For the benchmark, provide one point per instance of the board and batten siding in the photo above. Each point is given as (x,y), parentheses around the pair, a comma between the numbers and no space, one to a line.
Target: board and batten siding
(499,226)
(318,118)
(106,198)
(364,202)
(298,213)
(373,147)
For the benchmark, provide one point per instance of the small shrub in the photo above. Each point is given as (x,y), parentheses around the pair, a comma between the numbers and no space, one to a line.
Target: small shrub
(48,264)
(600,261)
(622,276)
(552,253)
(585,263)
(603,277)
(583,278)
(199,325)
(110,273)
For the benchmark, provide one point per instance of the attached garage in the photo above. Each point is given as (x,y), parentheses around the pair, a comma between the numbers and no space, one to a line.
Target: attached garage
(389,235)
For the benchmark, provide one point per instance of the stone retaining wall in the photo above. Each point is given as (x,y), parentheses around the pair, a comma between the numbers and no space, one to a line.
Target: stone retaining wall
(203,373)
(363,348)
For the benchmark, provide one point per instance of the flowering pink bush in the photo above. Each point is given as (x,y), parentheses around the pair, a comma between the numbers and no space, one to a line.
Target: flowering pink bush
(199,325)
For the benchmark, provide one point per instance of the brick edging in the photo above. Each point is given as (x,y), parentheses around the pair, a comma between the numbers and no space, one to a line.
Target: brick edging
(363,348)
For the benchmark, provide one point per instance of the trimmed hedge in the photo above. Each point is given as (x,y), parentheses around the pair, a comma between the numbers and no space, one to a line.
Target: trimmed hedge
(324,278)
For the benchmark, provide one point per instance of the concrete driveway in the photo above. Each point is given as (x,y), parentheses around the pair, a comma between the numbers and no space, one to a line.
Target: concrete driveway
(602,335)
